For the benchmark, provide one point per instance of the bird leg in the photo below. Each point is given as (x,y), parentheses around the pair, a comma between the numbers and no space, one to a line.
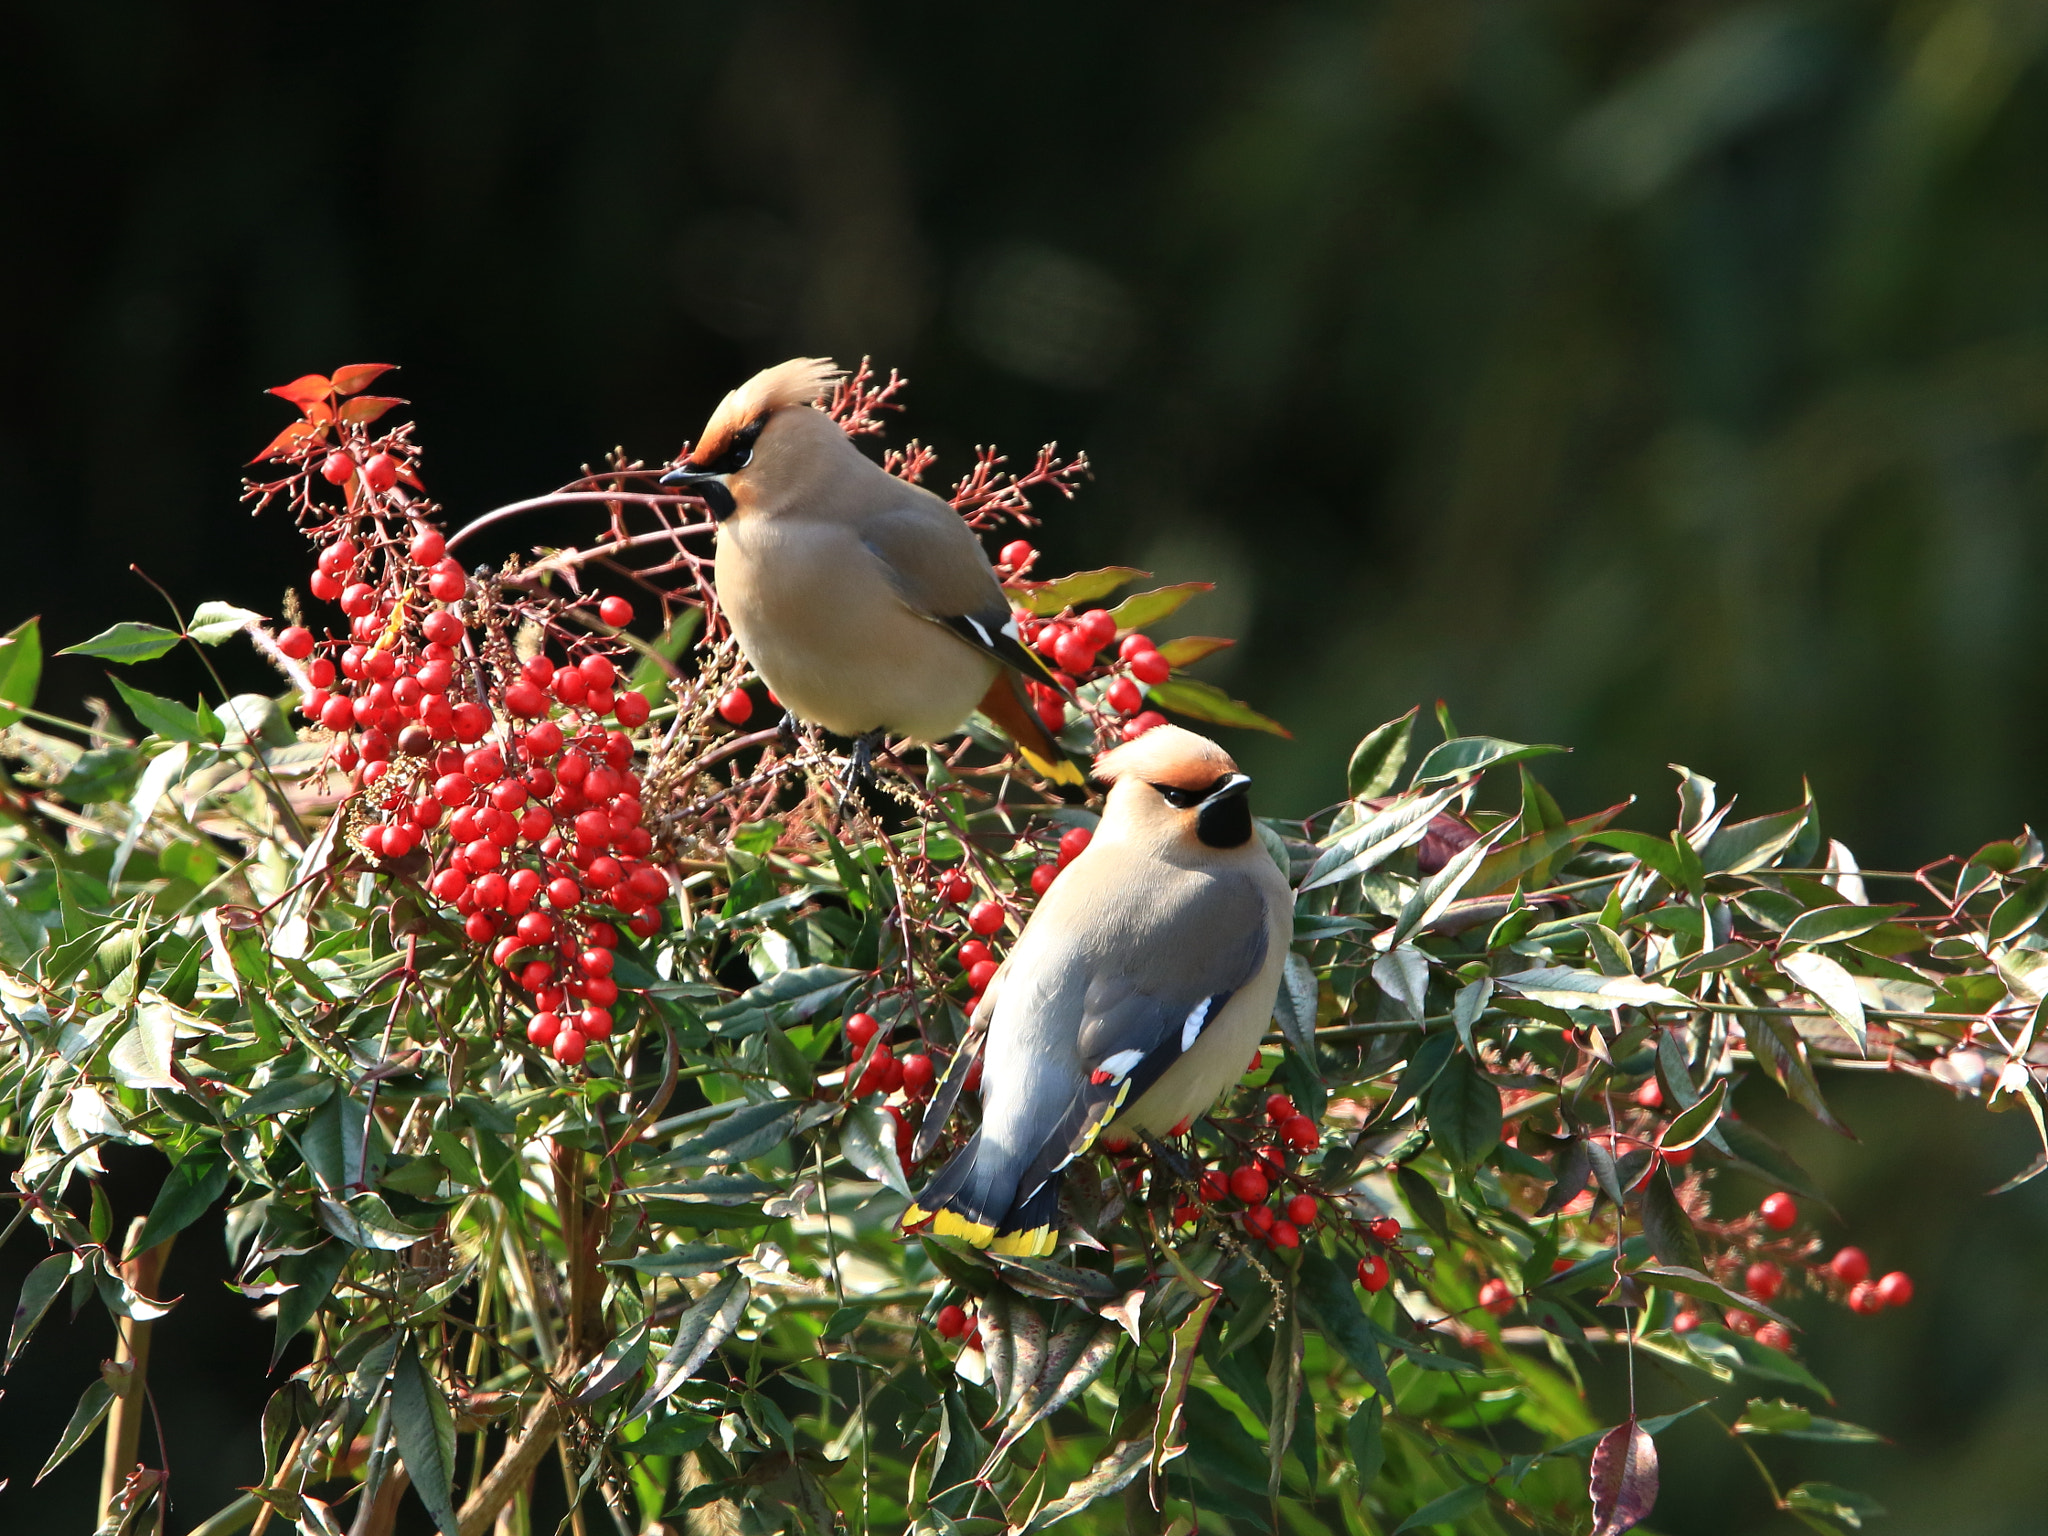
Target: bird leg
(860,767)
(1170,1157)
(790,727)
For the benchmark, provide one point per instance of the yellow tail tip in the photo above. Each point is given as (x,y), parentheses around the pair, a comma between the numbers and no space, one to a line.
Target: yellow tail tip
(1059,770)
(977,1234)
(1033,1243)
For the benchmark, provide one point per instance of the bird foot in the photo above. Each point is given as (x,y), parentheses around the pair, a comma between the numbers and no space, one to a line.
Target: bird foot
(860,768)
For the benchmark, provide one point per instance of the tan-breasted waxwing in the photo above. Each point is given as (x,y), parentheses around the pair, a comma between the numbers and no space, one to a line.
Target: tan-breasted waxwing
(1133,998)
(864,601)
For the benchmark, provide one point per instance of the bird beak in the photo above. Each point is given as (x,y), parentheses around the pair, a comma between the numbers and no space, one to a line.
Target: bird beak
(711,489)
(1236,784)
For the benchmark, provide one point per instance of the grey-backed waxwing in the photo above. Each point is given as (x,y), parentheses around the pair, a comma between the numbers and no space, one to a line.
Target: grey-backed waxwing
(865,602)
(1132,999)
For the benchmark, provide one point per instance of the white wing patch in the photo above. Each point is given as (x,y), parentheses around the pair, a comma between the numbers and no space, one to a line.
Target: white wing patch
(1198,1020)
(1010,629)
(1119,1066)
(978,627)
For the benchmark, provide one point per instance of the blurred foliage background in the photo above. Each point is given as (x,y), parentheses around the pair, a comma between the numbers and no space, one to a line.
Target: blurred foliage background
(1670,381)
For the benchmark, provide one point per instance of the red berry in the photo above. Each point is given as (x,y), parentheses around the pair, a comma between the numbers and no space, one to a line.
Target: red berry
(1097,626)
(357,599)
(1497,1297)
(296,642)
(1260,1219)
(1284,1235)
(1072,841)
(525,700)
(323,586)
(449,884)
(980,975)
(918,1074)
(860,1029)
(1685,1322)
(381,472)
(1373,1272)
(1763,1280)
(1864,1298)
(427,547)
(542,1028)
(1650,1095)
(1385,1229)
(471,721)
(1302,1134)
(447,583)
(1779,1211)
(1735,1320)
(1214,1186)
(570,685)
(1140,723)
(1149,667)
(1279,1108)
(1073,653)
(563,893)
(569,1047)
(1017,556)
(1559,1265)
(1850,1265)
(735,706)
(951,1322)
(1248,1184)
(1301,1210)
(1775,1336)
(1271,1163)
(985,917)
(631,709)
(973,953)
(440,626)
(1124,697)
(1895,1289)
(598,671)
(481,927)
(1042,878)
(594,1023)
(337,467)
(952,886)
(1133,645)
(338,713)
(973,1083)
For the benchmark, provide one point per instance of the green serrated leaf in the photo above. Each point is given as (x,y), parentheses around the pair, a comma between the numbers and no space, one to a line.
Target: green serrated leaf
(168,718)
(21,667)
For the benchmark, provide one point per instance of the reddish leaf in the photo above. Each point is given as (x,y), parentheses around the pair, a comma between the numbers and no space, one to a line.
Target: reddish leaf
(292,438)
(1624,1484)
(355,376)
(365,409)
(305,391)
(411,478)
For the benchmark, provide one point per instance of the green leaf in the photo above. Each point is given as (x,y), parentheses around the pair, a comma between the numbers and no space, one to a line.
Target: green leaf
(1748,845)
(1186,650)
(1143,608)
(1434,896)
(1363,1438)
(1455,1505)
(44,1284)
(1464,1112)
(169,719)
(1464,756)
(1377,761)
(198,1179)
(311,1276)
(1332,1304)
(708,1323)
(1792,1422)
(1536,853)
(1047,598)
(689,1259)
(1687,1280)
(1827,925)
(1665,1223)
(867,1140)
(424,1428)
(1376,837)
(1205,701)
(21,667)
(2011,918)
(1831,986)
(126,642)
(1563,987)
(1424,1200)
(211,623)
(1117,1469)
(1842,1504)
(746,1133)
(85,1418)
(141,1058)
(1778,1049)
(1187,1339)
(1697,1122)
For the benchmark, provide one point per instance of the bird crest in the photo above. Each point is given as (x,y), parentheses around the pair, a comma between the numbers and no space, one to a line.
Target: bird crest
(800,381)
(1169,756)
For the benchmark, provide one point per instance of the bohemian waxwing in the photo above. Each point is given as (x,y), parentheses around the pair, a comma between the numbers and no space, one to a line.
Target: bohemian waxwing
(864,602)
(1133,997)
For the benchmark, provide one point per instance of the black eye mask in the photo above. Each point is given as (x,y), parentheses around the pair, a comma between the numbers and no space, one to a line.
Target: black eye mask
(1225,813)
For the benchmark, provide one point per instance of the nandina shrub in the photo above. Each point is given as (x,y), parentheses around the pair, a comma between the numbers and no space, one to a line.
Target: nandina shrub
(564,1041)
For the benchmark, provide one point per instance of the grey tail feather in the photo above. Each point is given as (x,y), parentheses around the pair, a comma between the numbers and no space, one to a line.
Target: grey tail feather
(968,1187)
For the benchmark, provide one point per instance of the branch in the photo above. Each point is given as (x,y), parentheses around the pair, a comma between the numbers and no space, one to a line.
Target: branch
(543,1424)
(559,498)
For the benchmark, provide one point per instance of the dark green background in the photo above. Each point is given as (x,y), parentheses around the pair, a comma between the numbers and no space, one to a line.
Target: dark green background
(1667,380)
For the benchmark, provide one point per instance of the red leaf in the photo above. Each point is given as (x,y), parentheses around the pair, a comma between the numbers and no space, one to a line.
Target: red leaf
(412,479)
(355,376)
(304,391)
(1624,1483)
(292,438)
(365,409)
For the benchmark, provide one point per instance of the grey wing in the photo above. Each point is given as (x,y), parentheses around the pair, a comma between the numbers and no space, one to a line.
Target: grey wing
(941,572)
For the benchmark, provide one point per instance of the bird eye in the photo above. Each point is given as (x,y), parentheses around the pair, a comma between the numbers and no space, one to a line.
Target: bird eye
(737,454)
(1179,799)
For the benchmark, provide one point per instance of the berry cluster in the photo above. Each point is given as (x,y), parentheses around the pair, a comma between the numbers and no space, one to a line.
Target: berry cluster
(513,777)
(955,1322)
(1072,643)
(1282,1224)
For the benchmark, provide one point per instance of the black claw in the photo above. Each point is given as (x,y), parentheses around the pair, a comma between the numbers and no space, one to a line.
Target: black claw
(789,726)
(860,767)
